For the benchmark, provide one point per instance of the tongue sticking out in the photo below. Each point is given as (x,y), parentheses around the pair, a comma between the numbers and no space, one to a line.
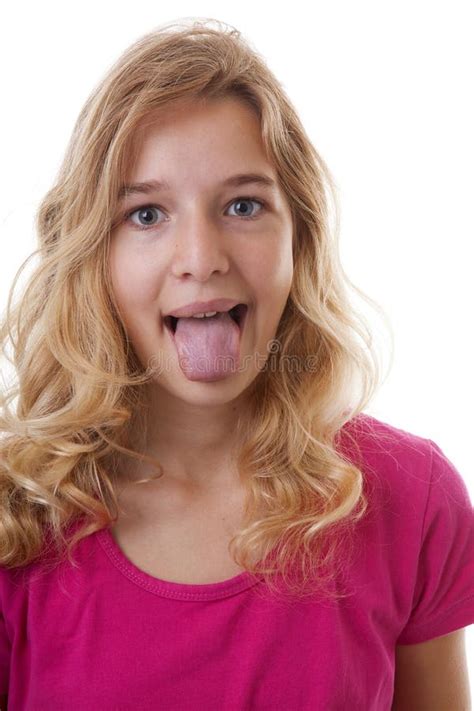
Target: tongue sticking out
(208,348)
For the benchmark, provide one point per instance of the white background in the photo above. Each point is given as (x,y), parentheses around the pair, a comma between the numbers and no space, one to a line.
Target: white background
(385,93)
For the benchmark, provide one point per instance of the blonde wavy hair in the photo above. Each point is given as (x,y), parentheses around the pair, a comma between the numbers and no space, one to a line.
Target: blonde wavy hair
(80,392)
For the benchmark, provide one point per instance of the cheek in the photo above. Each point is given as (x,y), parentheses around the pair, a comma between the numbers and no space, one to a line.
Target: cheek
(132,281)
(270,253)
(275,272)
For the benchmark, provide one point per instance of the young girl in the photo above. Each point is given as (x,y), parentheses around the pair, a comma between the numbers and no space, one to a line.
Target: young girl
(196,513)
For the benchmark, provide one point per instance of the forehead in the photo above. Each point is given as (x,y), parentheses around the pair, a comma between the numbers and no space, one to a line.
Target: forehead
(210,131)
(189,113)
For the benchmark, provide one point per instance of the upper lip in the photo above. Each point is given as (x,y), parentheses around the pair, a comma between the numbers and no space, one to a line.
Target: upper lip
(197,307)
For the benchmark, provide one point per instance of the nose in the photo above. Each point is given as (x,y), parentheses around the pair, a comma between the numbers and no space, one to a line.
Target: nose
(200,247)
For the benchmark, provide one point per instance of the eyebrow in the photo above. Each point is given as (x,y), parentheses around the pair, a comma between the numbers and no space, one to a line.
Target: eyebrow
(234,181)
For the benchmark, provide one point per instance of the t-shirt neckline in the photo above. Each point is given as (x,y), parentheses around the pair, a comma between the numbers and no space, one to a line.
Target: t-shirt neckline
(167,588)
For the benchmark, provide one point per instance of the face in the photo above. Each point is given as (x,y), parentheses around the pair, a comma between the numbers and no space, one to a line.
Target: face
(200,238)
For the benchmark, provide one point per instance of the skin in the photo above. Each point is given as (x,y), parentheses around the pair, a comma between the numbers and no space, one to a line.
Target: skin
(199,247)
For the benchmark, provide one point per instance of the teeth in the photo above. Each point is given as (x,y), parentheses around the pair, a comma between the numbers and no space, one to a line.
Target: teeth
(203,314)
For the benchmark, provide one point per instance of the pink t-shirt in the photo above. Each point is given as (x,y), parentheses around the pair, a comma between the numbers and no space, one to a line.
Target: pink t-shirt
(106,635)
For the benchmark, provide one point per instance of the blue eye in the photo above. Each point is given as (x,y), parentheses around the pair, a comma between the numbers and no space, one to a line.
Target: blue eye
(146,212)
(243,200)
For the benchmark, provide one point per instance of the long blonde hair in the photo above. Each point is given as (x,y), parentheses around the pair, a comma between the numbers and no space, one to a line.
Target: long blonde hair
(80,389)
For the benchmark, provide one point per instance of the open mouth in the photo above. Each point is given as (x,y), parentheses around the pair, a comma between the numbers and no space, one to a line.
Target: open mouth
(238,314)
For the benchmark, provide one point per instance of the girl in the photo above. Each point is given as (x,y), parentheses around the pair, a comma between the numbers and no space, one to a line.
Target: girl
(196,513)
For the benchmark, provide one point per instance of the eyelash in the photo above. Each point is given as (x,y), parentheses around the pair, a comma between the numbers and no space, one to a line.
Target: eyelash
(151,227)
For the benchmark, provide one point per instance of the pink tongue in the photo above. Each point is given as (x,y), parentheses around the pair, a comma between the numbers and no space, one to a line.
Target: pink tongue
(208,348)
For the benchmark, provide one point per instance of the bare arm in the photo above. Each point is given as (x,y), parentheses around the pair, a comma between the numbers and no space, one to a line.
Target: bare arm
(433,675)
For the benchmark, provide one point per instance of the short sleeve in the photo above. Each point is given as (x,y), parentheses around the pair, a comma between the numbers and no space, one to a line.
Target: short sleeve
(4,656)
(443,599)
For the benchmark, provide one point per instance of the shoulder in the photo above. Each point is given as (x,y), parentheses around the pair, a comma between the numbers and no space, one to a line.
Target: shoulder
(396,456)
(415,491)
(391,458)
(419,532)
(378,438)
